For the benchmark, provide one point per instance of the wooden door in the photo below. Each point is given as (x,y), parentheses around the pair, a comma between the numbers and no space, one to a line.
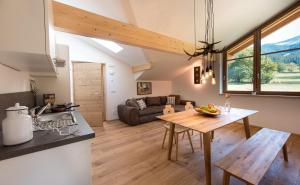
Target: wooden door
(89,91)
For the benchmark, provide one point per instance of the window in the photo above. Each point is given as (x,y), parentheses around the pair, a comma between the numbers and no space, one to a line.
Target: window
(240,66)
(267,61)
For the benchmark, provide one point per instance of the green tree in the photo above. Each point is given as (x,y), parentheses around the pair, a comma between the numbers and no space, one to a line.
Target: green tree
(292,67)
(240,70)
(281,67)
(268,68)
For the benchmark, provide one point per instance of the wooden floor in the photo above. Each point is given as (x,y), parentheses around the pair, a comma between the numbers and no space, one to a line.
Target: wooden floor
(133,156)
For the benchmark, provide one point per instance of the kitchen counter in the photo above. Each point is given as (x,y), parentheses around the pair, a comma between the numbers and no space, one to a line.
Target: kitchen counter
(43,140)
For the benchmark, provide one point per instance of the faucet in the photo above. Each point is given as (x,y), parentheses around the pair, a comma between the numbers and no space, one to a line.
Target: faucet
(32,111)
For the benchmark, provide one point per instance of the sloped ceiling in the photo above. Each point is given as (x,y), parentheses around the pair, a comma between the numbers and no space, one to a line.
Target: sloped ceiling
(233,19)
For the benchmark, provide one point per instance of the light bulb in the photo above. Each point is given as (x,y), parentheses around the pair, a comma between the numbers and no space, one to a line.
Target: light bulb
(210,72)
(206,75)
(213,81)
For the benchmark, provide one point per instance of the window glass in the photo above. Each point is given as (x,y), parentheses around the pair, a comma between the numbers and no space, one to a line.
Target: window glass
(280,72)
(284,38)
(241,50)
(240,74)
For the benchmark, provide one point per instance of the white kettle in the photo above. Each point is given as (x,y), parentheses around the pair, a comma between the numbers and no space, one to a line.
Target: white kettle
(17,126)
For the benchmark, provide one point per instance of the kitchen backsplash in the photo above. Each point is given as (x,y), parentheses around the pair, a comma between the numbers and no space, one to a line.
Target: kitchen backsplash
(8,100)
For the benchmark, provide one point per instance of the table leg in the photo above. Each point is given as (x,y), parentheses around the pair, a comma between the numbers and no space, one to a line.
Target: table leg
(207,157)
(285,154)
(247,127)
(171,135)
(226,178)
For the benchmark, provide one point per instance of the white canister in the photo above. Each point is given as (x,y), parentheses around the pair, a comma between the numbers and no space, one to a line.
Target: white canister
(17,126)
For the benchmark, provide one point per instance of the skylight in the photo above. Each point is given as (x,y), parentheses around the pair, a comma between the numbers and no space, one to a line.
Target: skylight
(112,46)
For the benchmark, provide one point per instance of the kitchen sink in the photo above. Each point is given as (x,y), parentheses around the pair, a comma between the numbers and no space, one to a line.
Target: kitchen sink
(54,121)
(57,116)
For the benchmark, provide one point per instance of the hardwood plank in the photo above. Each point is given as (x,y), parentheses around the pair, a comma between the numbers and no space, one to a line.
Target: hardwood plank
(122,154)
(252,159)
(81,22)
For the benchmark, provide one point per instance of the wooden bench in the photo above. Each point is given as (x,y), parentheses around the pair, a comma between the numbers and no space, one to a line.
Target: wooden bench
(251,160)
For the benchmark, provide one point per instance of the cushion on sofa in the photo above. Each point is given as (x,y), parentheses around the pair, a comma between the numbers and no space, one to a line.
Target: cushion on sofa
(163,100)
(142,104)
(177,98)
(132,103)
(171,100)
(151,110)
(153,101)
(179,108)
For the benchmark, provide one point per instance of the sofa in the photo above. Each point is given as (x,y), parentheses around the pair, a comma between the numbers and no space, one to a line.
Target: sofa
(131,114)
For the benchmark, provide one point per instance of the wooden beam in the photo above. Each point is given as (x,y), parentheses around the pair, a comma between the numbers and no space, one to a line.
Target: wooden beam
(81,22)
(142,67)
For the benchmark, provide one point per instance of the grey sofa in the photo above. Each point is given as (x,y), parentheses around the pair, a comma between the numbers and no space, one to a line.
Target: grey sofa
(132,115)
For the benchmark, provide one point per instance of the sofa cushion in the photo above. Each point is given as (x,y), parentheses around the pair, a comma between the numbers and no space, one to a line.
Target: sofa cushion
(152,101)
(171,100)
(132,103)
(142,104)
(177,98)
(179,108)
(163,100)
(151,110)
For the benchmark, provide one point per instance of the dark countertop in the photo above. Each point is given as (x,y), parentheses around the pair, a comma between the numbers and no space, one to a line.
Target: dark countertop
(43,140)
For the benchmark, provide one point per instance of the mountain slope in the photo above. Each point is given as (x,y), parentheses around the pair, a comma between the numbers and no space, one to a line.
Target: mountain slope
(285,57)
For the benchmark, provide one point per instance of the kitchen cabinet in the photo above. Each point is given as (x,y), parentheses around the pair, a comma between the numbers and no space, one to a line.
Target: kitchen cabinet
(27,39)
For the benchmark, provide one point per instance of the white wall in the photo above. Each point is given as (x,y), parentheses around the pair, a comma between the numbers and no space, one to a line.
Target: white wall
(13,81)
(280,113)
(119,79)
(60,85)
(159,88)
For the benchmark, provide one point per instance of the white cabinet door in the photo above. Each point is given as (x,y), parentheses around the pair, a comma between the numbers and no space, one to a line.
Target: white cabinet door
(27,40)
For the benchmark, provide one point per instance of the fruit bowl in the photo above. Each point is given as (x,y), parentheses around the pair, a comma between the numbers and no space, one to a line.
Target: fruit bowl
(209,110)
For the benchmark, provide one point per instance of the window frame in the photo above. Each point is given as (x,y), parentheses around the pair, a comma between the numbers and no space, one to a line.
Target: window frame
(282,18)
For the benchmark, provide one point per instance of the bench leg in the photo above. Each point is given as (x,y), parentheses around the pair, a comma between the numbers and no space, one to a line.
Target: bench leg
(285,153)
(226,178)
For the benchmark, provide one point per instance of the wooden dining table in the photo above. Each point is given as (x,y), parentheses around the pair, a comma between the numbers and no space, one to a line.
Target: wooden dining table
(206,125)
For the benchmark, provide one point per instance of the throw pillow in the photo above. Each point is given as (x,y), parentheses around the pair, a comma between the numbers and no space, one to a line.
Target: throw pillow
(163,100)
(171,100)
(142,104)
(177,98)
(132,103)
(152,101)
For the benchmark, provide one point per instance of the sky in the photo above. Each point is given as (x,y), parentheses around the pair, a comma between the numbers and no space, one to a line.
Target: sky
(288,31)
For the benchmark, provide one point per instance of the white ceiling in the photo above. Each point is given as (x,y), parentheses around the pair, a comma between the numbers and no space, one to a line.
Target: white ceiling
(233,19)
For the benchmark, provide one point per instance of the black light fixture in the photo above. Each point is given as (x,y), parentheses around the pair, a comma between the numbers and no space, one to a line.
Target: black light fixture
(209,42)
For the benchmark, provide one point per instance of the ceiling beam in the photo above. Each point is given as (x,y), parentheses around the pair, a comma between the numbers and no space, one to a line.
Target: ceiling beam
(143,67)
(77,21)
